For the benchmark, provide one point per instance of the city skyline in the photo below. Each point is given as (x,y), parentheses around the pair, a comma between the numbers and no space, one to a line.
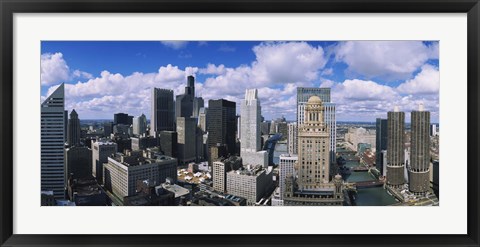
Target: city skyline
(367,78)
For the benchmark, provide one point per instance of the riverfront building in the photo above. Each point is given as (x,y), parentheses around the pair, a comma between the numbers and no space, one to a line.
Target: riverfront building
(329,116)
(396,148)
(380,142)
(419,167)
(312,186)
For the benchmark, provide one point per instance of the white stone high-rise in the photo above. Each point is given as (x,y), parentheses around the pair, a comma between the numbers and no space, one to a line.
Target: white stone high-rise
(250,146)
(287,168)
(139,125)
(52,128)
(292,138)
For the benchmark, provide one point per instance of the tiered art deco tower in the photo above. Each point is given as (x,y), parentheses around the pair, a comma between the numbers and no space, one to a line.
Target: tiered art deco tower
(313,147)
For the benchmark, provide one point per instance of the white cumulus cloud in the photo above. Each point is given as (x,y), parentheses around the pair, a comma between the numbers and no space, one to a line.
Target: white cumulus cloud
(425,82)
(54,69)
(390,60)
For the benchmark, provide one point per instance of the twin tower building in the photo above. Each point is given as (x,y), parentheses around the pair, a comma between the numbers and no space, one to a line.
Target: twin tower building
(419,167)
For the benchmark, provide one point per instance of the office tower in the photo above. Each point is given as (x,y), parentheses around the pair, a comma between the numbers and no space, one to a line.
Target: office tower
(52,128)
(123,171)
(292,138)
(265,128)
(273,127)
(433,130)
(313,146)
(168,143)
(184,102)
(198,104)
(220,169)
(202,119)
(380,142)
(101,150)
(186,130)
(73,134)
(419,167)
(65,119)
(221,124)
(287,168)
(143,142)
(250,183)
(250,111)
(78,162)
(122,118)
(139,125)
(162,111)
(107,129)
(396,148)
(303,94)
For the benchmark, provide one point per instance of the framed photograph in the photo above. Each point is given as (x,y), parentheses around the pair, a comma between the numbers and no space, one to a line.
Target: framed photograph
(200,123)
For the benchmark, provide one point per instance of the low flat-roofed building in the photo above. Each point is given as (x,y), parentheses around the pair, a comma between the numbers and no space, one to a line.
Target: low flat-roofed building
(87,192)
(250,183)
(178,190)
(122,171)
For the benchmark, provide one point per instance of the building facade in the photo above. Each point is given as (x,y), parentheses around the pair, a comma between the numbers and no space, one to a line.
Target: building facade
(419,167)
(292,138)
(162,111)
(396,148)
(101,150)
(168,143)
(287,169)
(52,129)
(139,125)
(186,148)
(249,183)
(381,141)
(313,186)
(73,134)
(78,161)
(250,143)
(303,94)
(221,124)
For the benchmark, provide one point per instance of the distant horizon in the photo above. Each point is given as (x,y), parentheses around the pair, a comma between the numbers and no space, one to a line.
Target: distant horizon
(367,78)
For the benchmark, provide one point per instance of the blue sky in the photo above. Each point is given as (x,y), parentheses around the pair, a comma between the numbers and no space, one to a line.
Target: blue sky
(368,78)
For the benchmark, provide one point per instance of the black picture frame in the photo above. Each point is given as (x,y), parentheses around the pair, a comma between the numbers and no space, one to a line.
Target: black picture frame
(10,7)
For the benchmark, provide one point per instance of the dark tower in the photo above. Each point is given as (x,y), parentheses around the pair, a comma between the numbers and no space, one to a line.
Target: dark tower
(381,142)
(73,134)
(222,127)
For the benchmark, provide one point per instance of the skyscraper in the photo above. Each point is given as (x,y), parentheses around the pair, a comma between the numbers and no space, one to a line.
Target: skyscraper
(187,105)
(287,168)
(186,129)
(314,147)
(313,186)
(292,138)
(250,143)
(52,128)
(303,94)
(162,111)
(101,150)
(78,161)
(419,167)
(73,134)
(122,118)
(221,124)
(396,148)
(139,125)
(380,142)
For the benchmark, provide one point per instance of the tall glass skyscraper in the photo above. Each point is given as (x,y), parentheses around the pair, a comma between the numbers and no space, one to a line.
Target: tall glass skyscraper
(380,142)
(52,128)
(163,111)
